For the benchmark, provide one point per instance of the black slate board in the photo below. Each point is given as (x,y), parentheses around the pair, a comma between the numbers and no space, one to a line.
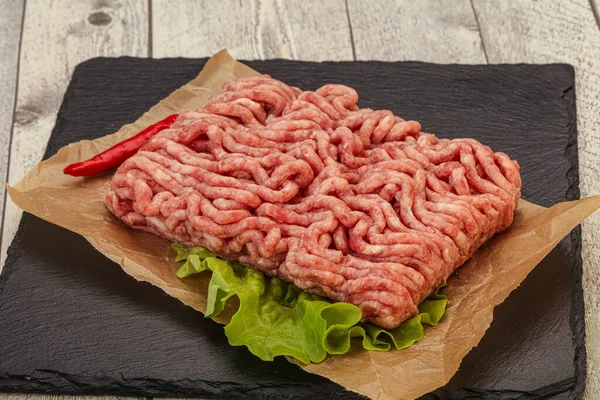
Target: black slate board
(72,322)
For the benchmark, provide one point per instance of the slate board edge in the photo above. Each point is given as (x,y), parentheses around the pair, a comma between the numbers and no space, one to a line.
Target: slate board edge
(573,193)
(54,382)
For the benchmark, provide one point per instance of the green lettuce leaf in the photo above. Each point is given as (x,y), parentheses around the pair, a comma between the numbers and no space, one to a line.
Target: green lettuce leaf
(277,318)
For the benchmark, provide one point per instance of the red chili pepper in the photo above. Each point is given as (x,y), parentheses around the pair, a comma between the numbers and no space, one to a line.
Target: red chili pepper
(120,152)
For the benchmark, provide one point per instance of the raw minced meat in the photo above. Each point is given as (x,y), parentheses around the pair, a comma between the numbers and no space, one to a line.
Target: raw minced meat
(353,204)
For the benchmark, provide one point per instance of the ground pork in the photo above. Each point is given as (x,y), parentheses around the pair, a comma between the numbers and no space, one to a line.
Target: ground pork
(350,203)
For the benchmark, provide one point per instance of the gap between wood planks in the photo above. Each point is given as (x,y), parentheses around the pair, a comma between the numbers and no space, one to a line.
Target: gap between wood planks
(594,8)
(487,61)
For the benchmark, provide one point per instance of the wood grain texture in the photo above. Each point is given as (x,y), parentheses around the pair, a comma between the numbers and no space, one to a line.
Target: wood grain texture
(11,15)
(428,30)
(56,37)
(252,29)
(561,31)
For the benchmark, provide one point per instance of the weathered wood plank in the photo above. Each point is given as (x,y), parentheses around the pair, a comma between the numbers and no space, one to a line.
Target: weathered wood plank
(428,30)
(11,16)
(595,4)
(252,29)
(56,37)
(561,31)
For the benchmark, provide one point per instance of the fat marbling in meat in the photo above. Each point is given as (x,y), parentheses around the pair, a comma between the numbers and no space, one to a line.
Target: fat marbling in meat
(354,204)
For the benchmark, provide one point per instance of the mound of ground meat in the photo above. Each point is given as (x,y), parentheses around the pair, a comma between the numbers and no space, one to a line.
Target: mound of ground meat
(353,204)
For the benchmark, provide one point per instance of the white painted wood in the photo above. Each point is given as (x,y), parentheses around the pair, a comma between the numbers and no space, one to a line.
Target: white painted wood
(11,15)
(561,31)
(426,30)
(252,29)
(56,37)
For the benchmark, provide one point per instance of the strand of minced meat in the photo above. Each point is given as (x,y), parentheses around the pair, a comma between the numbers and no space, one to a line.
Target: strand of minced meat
(353,204)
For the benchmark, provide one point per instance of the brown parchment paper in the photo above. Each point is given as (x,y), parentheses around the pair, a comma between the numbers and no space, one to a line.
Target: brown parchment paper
(478,286)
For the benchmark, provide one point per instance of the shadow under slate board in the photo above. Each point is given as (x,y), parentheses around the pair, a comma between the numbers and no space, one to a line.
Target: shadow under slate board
(72,322)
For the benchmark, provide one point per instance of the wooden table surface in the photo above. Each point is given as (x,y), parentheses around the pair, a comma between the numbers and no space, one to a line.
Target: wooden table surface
(41,42)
